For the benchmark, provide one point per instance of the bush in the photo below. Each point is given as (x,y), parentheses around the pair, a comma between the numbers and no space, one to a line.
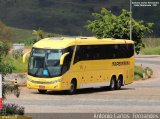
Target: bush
(17,53)
(19,66)
(142,73)
(138,72)
(148,71)
(12,109)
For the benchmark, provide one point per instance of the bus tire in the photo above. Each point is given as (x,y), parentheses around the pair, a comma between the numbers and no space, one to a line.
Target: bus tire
(42,91)
(113,83)
(73,86)
(119,83)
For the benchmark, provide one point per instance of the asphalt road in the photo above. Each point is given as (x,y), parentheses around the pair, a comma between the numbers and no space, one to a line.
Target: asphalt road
(140,96)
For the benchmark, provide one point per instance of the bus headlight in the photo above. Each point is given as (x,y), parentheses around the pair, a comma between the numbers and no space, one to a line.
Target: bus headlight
(56,81)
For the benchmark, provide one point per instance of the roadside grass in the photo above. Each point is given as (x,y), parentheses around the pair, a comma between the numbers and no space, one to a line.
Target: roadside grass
(152,46)
(142,73)
(151,51)
(19,66)
(138,72)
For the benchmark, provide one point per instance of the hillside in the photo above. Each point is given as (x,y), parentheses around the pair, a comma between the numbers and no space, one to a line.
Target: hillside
(26,35)
(19,35)
(65,16)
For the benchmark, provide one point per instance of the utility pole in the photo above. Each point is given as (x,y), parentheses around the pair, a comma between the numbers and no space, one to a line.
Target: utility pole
(130,19)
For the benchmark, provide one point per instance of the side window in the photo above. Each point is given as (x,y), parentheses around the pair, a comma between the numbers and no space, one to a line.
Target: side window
(83,52)
(98,52)
(115,51)
(104,52)
(79,55)
(131,50)
(123,51)
(67,60)
(87,52)
(108,51)
(126,50)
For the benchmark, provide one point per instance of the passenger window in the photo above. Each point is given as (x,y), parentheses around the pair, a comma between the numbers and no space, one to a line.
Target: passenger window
(67,60)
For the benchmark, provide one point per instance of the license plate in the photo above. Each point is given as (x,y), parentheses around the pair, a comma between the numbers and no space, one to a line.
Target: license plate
(42,87)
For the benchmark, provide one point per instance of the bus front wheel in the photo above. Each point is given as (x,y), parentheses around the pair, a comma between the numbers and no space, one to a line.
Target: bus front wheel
(113,83)
(72,87)
(42,91)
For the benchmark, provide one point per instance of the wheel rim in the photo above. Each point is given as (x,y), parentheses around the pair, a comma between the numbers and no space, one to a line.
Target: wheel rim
(118,83)
(112,84)
(72,88)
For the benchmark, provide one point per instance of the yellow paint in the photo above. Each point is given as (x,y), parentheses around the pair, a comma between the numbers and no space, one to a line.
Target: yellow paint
(24,56)
(51,43)
(62,58)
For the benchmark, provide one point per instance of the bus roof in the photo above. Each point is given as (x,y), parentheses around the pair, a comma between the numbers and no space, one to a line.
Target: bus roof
(63,42)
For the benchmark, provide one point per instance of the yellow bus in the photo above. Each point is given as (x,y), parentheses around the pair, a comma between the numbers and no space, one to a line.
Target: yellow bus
(70,63)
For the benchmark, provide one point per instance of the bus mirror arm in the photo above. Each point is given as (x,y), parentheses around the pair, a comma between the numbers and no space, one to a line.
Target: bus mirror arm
(24,56)
(63,57)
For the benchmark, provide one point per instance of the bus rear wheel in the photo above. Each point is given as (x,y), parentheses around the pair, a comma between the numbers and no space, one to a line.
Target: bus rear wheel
(119,83)
(72,87)
(42,91)
(113,83)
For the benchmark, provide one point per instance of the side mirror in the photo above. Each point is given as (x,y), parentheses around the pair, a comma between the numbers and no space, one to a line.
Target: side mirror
(62,57)
(24,56)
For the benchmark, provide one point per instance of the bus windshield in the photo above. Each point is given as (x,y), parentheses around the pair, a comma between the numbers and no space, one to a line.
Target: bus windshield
(45,62)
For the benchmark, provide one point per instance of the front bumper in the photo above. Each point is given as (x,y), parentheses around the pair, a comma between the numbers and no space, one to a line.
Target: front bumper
(54,86)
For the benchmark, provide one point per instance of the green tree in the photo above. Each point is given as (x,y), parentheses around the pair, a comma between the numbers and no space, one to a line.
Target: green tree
(108,25)
(5,66)
(40,34)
